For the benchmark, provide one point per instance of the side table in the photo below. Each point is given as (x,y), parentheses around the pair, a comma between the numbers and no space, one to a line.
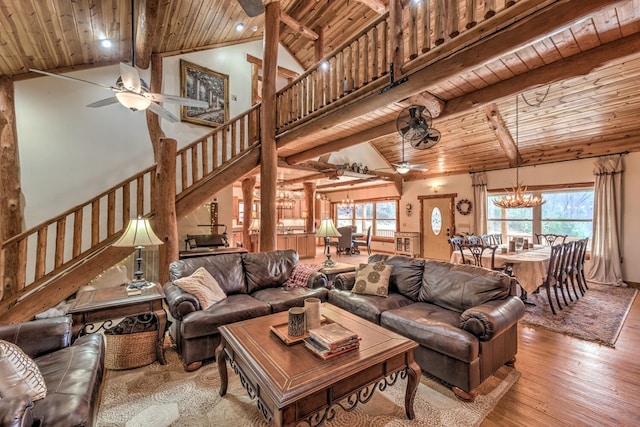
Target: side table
(332,272)
(104,305)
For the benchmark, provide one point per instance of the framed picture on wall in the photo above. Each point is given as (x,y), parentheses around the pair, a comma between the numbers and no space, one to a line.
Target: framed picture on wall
(201,83)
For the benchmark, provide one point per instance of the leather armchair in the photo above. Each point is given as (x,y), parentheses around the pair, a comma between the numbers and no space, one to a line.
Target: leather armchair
(73,372)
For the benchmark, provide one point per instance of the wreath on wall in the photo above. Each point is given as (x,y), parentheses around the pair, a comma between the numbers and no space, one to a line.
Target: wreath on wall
(464,206)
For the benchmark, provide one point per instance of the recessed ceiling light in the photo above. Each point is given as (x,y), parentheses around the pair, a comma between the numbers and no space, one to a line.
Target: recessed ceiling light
(239,26)
(106,43)
(254,28)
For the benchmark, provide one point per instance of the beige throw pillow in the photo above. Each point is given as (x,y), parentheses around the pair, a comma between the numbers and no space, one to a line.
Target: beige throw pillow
(372,279)
(203,286)
(19,374)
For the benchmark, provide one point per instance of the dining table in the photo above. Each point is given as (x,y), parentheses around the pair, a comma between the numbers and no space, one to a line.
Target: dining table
(529,266)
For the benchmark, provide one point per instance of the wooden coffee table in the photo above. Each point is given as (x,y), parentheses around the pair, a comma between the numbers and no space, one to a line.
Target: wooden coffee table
(291,385)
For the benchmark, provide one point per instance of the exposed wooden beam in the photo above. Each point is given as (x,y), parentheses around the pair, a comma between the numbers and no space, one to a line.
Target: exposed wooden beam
(433,104)
(310,5)
(573,66)
(376,5)
(504,137)
(298,27)
(148,11)
(337,145)
(540,23)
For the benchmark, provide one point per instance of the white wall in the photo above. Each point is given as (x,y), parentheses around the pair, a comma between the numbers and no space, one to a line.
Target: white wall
(70,153)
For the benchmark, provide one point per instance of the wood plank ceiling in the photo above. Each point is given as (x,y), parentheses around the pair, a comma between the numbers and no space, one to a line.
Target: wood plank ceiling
(583,113)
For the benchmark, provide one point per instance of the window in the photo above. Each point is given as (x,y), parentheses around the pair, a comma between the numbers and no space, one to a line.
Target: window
(565,211)
(382,216)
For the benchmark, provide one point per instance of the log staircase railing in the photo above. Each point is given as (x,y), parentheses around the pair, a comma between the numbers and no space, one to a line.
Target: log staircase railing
(37,256)
(41,254)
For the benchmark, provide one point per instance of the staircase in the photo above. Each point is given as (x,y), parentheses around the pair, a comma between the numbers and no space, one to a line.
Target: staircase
(51,261)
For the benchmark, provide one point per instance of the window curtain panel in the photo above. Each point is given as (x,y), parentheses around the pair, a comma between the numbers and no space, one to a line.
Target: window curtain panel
(606,252)
(479,185)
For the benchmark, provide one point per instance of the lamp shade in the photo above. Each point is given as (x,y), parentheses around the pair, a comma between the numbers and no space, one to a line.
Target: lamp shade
(255,225)
(133,101)
(327,229)
(138,234)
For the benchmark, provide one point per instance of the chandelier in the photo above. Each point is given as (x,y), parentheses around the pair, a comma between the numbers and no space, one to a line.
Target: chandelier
(347,202)
(517,197)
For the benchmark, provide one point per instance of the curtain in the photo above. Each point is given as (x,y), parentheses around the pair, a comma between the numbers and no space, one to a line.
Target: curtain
(479,185)
(606,252)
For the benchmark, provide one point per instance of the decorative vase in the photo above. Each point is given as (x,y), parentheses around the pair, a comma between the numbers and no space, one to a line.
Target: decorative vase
(296,321)
(312,310)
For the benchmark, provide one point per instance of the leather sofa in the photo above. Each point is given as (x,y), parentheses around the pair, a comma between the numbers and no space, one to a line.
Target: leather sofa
(253,285)
(463,317)
(73,373)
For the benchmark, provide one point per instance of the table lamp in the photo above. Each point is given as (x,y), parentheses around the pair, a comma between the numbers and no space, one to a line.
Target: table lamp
(138,234)
(327,229)
(254,227)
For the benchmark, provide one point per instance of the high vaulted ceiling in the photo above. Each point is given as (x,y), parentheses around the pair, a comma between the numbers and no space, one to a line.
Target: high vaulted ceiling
(580,82)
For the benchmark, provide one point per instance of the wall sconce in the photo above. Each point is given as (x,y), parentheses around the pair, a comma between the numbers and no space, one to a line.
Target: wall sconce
(435,188)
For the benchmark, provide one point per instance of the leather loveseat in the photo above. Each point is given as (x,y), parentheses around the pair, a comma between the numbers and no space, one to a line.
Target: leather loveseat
(73,373)
(463,317)
(253,285)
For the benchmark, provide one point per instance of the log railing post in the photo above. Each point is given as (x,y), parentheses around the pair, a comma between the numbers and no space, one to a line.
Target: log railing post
(395,34)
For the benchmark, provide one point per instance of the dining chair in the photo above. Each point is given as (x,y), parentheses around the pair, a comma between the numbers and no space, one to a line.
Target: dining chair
(582,256)
(474,240)
(344,244)
(472,253)
(455,241)
(486,239)
(550,239)
(551,280)
(496,239)
(366,243)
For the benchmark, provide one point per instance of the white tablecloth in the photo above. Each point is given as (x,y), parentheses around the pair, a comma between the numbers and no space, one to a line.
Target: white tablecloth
(529,266)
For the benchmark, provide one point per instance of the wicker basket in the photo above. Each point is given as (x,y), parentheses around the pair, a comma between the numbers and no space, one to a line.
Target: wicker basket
(128,351)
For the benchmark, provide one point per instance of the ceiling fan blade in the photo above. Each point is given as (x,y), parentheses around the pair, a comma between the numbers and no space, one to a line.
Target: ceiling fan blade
(73,79)
(160,97)
(162,112)
(252,7)
(130,77)
(104,102)
(405,129)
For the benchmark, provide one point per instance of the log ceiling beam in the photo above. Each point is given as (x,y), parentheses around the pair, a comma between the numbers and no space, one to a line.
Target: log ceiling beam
(296,26)
(376,5)
(548,20)
(573,66)
(432,103)
(148,11)
(504,137)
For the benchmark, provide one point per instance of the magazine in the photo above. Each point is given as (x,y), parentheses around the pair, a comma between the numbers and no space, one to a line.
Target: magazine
(325,353)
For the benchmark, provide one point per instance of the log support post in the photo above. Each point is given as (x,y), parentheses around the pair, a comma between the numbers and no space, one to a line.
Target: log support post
(11,209)
(268,153)
(248,184)
(166,222)
(396,34)
(309,202)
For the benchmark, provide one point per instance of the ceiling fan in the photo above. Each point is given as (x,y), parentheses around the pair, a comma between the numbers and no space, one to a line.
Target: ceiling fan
(414,123)
(133,92)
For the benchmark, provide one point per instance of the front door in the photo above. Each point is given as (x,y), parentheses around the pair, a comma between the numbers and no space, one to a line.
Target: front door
(437,223)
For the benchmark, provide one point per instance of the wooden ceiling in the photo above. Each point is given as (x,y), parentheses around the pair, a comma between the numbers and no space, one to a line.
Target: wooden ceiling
(568,110)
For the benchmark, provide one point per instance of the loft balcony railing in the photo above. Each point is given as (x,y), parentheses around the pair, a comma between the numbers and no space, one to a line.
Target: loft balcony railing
(419,33)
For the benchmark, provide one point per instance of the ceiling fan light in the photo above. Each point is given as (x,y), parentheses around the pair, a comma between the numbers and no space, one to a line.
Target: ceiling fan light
(133,101)
(402,169)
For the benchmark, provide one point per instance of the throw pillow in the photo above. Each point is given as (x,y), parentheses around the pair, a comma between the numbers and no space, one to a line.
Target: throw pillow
(203,286)
(372,279)
(300,275)
(19,374)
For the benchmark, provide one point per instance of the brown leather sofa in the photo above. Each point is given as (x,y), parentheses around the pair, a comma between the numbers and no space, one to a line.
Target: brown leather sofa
(463,317)
(253,285)
(73,373)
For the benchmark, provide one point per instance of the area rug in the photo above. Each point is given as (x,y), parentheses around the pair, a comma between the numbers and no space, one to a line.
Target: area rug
(597,316)
(165,395)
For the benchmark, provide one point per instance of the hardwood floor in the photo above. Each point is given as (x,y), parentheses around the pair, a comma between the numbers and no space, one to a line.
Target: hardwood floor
(566,381)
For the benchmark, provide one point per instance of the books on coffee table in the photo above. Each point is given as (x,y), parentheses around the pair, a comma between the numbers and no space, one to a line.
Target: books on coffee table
(331,340)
